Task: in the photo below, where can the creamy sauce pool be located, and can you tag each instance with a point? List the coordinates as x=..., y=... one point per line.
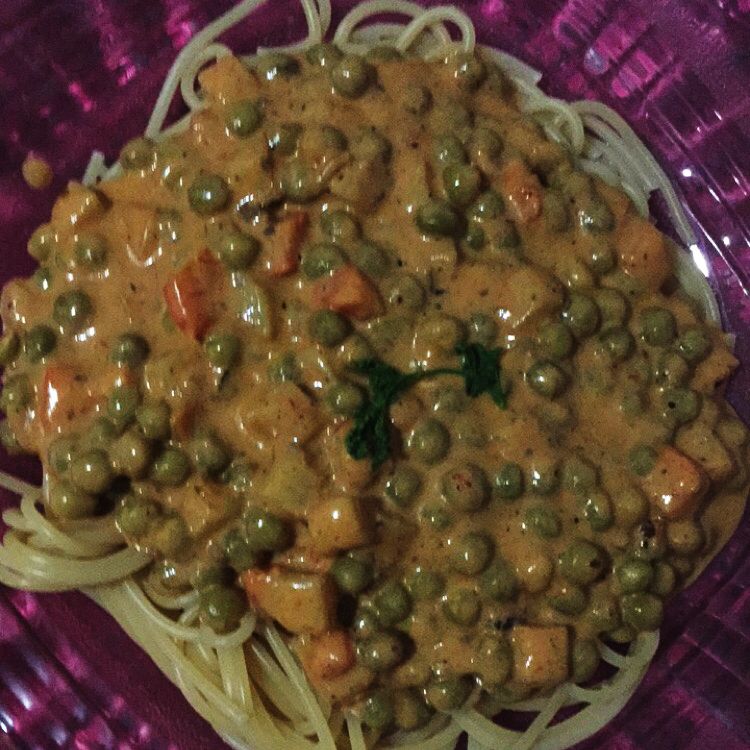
x=187, y=355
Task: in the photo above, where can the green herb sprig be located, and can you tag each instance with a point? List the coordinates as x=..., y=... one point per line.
x=370, y=436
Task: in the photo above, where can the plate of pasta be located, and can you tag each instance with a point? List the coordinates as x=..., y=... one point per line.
x=384, y=395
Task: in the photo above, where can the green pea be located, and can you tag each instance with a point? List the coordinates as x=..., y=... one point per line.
x=318, y=260
x=9, y=440
x=344, y=399
x=73, y=310
x=489, y=205
x=410, y=710
x=555, y=211
x=467, y=69
x=598, y=511
x=438, y=517
x=682, y=404
x=448, y=149
x=239, y=552
x=682, y=566
x=137, y=154
x=340, y=226
x=266, y=531
x=642, y=611
x=222, y=350
x=169, y=536
x=221, y=608
x=272, y=65
x=171, y=467
x=499, y=582
x=237, y=250
x=443, y=332
x=665, y=579
x=403, y=485
x=461, y=183
x=91, y=472
x=208, y=194
x=584, y=660
x=602, y=258
x=547, y=379
x=69, y=502
x=405, y=290
x=16, y=394
x=365, y=623
x=613, y=308
x=465, y=487
x=618, y=343
x=39, y=342
x=425, y=584
x=9, y=347
x=732, y=432
x=371, y=145
x=238, y=476
x=462, y=605
x=284, y=368
x=658, y=326
x=377, y=711
x=545, y=480
x=474, y=239
x=632, y=403
x=135, y=515
x=285, y=138
x=634, y=575
x=416, y=99
x=596, y=217
x=131, y=455
x=471, y=553
x=61, y=453
x=671, y=369
x=568, y=599
x=328, y=328
x=578, y=475
x=438, y=218
x=581, y=562
x=603, y=613
x=485, y=146
x=100, y=435
x=121, y=405
x=323, y=54
x=299, y=181
x=631, y=507
x=42, y=243
x=352, y=575
x=90, y=250
x=648, y=542
x=470, y=432
x=555, y=341
x=154, y=420
x=129, y=349
x=622, y=635
x=429, y=441
x=642, y=459
x=243, y=118
x=381, y=652
x=482, y=329
x=450, y=399
x=392, y=603
x=42, y=277
x=543, y=521
x=351, y=76
x=694, y=344
x=209, y=455
x=370, y=259
x=507, y=483
x=449, y=694
x=686, y=537
x=581, y=315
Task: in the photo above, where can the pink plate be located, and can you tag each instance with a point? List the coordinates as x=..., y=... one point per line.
x=82, y=74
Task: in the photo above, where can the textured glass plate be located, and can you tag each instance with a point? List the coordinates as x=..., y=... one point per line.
x=82, y=74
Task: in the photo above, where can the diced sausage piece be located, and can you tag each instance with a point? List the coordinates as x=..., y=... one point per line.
x=339, y=524
x=675, y=484
x=299, y=602
x=540, y=655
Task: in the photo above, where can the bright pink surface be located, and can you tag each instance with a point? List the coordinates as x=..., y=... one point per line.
x=82, y=74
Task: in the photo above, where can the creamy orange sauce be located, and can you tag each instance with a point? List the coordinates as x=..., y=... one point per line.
x=157, y=267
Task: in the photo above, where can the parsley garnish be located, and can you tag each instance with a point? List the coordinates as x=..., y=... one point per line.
x=370, y=437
